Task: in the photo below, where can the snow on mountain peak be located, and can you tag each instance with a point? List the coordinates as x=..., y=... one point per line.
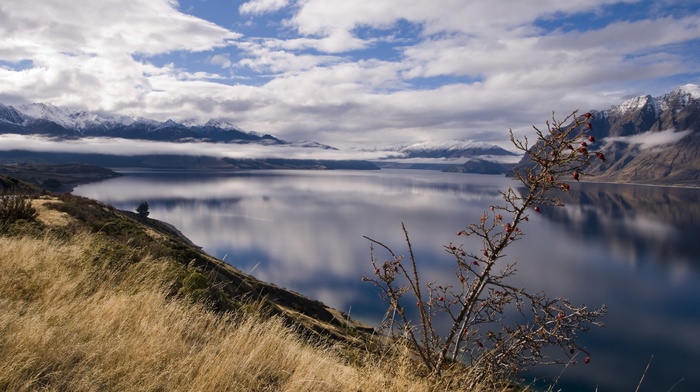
x=690, y=89
x=682, y=94
x=70, y=119
x=447, y=145
x=636, y=103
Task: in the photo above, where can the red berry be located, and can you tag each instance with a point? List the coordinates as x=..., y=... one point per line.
x=584, y=144
x=376, y=271
x=486, y=254
x=583, y=151
x=569, y=146
x=551, y=178
x=475, y=262
x=587, y=360
x=537, y=209
x=600, y=156
x=576, y=175
x=591, y=138
x=441, y=299
x=590, y=126
x=587, y=115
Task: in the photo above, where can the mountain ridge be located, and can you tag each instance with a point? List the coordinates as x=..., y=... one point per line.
x=647, y=140
x=48, y=120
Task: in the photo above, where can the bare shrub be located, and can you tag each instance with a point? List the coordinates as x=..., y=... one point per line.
x=15, y=205
x=475, y=306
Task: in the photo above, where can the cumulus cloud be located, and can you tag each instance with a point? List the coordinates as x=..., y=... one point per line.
x=86, y=54
x=257, y=7
x=222, y=60
x=345, y=73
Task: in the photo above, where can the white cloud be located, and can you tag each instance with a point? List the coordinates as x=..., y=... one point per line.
x=344, y=72
x=649, y=140
x=150, y=27
x=222, y=60
x=257, y=7
x=128, y=147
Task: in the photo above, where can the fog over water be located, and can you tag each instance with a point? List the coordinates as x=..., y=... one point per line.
x=632, y=248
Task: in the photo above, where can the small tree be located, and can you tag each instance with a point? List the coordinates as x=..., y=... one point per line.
x=475, y=305
x=142, y=209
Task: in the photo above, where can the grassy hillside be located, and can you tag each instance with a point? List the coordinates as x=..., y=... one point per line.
x=92, y=298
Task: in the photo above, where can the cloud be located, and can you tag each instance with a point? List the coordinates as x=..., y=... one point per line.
x=128, y=147
x=257, y=7
x=41, y=28
x=84, y=54
x=222, y=60
x=649, y=140
x=347, y=72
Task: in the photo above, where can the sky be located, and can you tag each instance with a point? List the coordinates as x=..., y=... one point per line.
x=351, y=74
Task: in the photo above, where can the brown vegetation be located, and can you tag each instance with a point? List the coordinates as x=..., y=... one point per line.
x=92, y=299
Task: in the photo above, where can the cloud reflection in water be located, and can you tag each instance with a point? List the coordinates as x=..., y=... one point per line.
x=633, y=248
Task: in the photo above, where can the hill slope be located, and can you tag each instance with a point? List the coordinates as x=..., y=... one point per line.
x=649, y=140
x=92, y=298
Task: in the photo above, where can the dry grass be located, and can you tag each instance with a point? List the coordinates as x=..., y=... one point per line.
x=69, y=320
x=82, y=310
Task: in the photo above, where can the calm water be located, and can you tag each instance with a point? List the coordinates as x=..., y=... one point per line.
x=634, y=248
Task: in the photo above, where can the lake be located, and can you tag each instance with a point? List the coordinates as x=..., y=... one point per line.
x=634, y=248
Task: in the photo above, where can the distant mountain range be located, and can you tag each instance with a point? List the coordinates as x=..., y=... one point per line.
x=65, y=124
x=49, y=120
x=463, y=156
x=452, y=150
x=648, y=140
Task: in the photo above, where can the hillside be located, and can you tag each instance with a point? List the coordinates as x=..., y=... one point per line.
x=92, y=298
x=57, y=178
x=648, y=140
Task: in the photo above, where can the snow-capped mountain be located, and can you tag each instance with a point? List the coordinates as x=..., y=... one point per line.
x=49, y=120
x=75, y=120
x=463, y=156
x=452, y=149
x=679, y=97
x=645, y=139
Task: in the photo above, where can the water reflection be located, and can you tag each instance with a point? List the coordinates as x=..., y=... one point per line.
x=633, y=248
x=639, y=223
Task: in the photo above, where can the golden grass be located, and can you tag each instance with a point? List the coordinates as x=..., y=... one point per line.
x=70, y=321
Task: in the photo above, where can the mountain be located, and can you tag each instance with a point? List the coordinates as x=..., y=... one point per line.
x=452, y=150
x=64, y=124
x=461, y=156
x=648, y=140
x=49, y=120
